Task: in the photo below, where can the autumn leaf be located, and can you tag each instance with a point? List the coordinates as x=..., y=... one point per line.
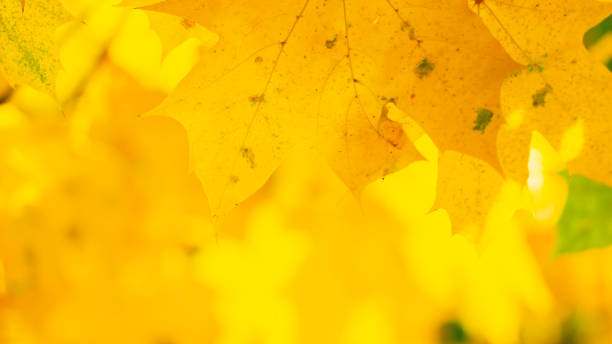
x=285, y=72
x=28, y=53
x=173, y=31
x=586, y=221
x=562, y=85
x=467, y=189
x=99, y=210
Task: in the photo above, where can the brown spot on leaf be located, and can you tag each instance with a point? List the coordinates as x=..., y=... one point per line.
x=539, y=98
x=330, y=43
x=73, y=233
x=424, y=68
x=188, y=23
x=256, y=99
x=249, y=156
x=390, y=130
x=407, y=27
x=483, y=118
x=191, y=250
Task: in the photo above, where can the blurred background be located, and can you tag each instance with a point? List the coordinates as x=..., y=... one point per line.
x=106, y=237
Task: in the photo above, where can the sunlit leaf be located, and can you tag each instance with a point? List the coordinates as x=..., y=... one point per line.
x=28, y=54
x=561, y=84
x=287, y=72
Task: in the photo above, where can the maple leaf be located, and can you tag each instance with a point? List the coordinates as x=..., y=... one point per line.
x=285, y=69
x=28, y=54
x=562, y=85
x=467, y=189
x=173, y=31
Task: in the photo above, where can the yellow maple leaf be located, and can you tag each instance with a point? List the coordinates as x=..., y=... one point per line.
x=562, y=86
x=467, y=189
x=286, y=71
x=173, y=31
x=553, y=102
x=28, y=54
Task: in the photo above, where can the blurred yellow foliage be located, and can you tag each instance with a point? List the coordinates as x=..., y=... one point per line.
x=106, y=234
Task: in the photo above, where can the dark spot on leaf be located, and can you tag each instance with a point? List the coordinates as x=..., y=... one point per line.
x=234, y=179
x=483, y=119
x=534, y=67
x=73, y=233
x=452, y=333
x=29, y=256
x=330, y=43
x=248, y=154
x=191, y=250
x=406, y=26
x=571, y=331
x=256, y=99
x=424, y=68
x=187, y=23
x=6, y=95
x=539, y=98
x=258, y=59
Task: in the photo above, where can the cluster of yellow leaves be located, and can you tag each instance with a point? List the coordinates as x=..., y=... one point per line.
x=285, y=73
x=281, y=74
x=105, y=236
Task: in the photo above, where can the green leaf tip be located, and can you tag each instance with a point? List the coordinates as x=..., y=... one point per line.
x=586, y=221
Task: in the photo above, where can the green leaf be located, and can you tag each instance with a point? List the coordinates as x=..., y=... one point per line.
x=586, y=221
